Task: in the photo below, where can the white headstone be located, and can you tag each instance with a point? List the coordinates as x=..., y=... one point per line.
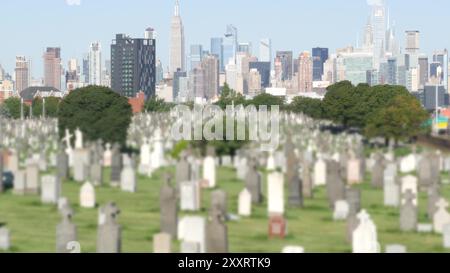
x=209, y=171
x=365, y=235
x=193, y=229
x=87, y=195
x=441, y=216
x=409, y=182
x=293, y=249
x=128, y=179
x=245, y=203
x=50, y=189
x=320, y=173
x=341, y=210
x=408, y=164
x=275, y=192
x=190, y=196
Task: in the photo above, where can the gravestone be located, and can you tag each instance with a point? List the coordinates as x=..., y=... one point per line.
x=190, y=196
x=441, y=216
x=81, y=161
x=216, y=234
x=245, y=203
x=20, y=182
x=128, y=181
x=62, y=164
x=209, y=171
x=446, y=236
x=391, y=187
x=408, y=164
x=32, y=185
x=307, y=181
x=341, y=210
x=107, y=156
x=396, y=249
x=226, y=161
x=183, y=169
x=433, y=197
x=253, y=183
x=409, y=182
x=354, y=175
x=219, y=203
x=66, y=231
x=87, y=195
x=293, y=249
x=408, y=213
x=168, y=208
x=320, y=172
x=270, y=163
x=193, y=229
x=353, y=197
x=62, y=202
x=295, y=187
x=424, y=228
x=365, y=235
x=145, y=154
x=116, y=165
x=428, y=170
x=109, y=238
x=275, y=192
x=277, y=227
x=5, y=239
x=162, y=243
x=242, y=168
x=50, y=189
x=190, y=247
x=378, y=172
x=335, y=185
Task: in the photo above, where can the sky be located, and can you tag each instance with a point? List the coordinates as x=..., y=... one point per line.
x=29, y=26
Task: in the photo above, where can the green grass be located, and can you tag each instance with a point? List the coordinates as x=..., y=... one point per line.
x=33, y=226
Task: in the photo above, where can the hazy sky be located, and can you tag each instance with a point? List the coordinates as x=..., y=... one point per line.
x=28, y=26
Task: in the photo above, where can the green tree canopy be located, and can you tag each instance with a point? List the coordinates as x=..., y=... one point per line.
x=13, y=107
x=51, y=107
x=403, y=118
x=308, y=106
x=155, y=104
x=268, y=100
x=99, y=112
x=229, y=96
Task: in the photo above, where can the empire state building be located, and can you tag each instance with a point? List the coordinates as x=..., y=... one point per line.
x=177, y=57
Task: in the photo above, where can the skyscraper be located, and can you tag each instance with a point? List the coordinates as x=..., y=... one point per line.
x=391, y=75
x=286, y=64
x=22, y=73
x=95, y=64
x=442, y=58
x=265, y=50
x=52, y=67
x=379, y=31
x=320, y=56
x=195, y=56
x=177, y=53
x=210, y=68
x=133, y=66
x=176, y=82
x=86, y=68
x=412, y=42
x=263, y=69
x=217, y=50
x=159, y=72
x=423, y=71
x=305, y=72
x=230, y=44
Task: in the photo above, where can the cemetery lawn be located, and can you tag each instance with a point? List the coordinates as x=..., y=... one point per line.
x=33, y=225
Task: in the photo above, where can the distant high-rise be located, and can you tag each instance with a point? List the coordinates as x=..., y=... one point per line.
x=95, y=64
x=263, y=69
x=52, y=67
x=22, y=74
x=176, y=82
x=133, y=66
x=305, y=72
x=86, y=68
x=391, y=71
x=423, y=71
x=230, y=45
x=379, y=30
x=320, y=56
x=217, y=50
x=254, y=82
x=442, y=58
x=195, y=56
x=210, y=68
x=245, y=48
x=265, y=50
x=286, y=64
x=159, y=72
x=412, y=42
x=177, y=50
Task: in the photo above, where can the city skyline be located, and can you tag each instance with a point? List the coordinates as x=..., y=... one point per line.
x=75, y=41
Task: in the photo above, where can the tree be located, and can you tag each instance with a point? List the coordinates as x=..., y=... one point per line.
x=268, y=100
x=13, y=106
x=402, y=119
x=155, y=104
x=308, y=106
x=229, y=97
x=51, y=107
x=98, y=112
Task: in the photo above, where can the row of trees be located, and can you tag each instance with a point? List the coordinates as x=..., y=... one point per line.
x=11, y=108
